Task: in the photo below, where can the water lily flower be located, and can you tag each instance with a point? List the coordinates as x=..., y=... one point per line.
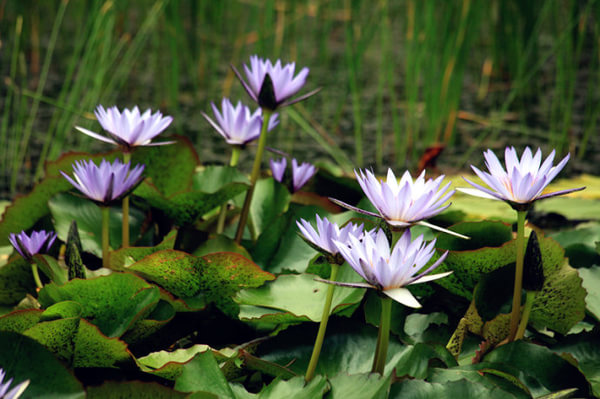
x=405, y=203
x=301, y=174
x=237, y=124
x=391, y=270
x=14, y=393
x=272, y=85
x=278, y=169
x=326, y=233
x=523, y=180
x=105, y=183
x=28, y=246
x=129, y=128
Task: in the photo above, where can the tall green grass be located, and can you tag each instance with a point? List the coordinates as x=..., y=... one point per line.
x=397, y=76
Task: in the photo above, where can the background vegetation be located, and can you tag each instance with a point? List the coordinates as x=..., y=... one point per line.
x=397, y=76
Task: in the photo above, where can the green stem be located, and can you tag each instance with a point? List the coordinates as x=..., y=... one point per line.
x=36, y=275
x=516, y=305
x=105, y=236
x=314, y=359
x=383, y=337
x=125, y=223
x=526, y=312
x=235, y=155
x=262, y=141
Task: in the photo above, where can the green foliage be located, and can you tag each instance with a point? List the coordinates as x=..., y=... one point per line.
x=79, y=343
x=16, y=281
x=203, y=374
x=66, y=208
x=591, y=283
x=365, y=385
x=133, y=390
x=22, y=358
x=292, y=299
x=113, y=303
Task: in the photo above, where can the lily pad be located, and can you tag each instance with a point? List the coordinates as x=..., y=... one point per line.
x=79, y=343
x=125, y=257
x=365, y=385
x=203, y=374
x=591, y=282
x=23, y=358
x=296, y=298
x=65, y=208
x=16, y=281
x=133, y=390
x=113, y=303
x=171, y=167
x=20, y=320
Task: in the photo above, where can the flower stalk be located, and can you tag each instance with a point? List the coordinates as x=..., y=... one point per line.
x=235, y=156
x=105, y=235
x=262, y=140
x=36, y=275
x=125, y=222
x=529, y=299
x=383, y=338
x=516, y=305
x=314, y=358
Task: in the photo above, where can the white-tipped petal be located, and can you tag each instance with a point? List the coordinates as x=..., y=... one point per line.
x=403, y=296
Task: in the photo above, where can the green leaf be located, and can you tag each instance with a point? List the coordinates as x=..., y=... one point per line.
x=221, y=243
x=171, y=167
x=349, y=348
x=203, y=374
x=496, y=379
x=16, y=280
x=62, y=310
x=162, y=314
x=186, y=207
x=585, y=349
x=133, y=390
x=580, y=244
x=113, y=303
x=295, y=388
x=79, y=343
x=176, y=271
x=270, y=200
x=591, y=283
x=296, y=298
x=51, y=268
x=540, y=369
x=65, y=208
x=224, y=274
x=417, y=389
x=169, y=365
x=20, y=320
x=414, y=360
x=28, y=209
x=571, y=208
x=481, y=235
x=211, y=179
x=125, y=257
x=344, y=386
x=22, y=358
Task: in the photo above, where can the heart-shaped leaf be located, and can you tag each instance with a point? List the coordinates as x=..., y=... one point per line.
x=16, y=281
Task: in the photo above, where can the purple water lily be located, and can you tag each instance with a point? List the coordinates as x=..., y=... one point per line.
x=391, y=270
x=301, y=174
x=327, y=232
x=105, y=183
x=129, y=128
x=523, y=180
x=237, y=124
x=28, y=246
x=405, y=203
x=14, y=393
x=278, y=169
x=272, y=85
